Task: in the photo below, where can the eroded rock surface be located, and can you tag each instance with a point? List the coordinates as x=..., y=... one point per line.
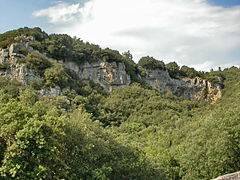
x=14, y=70
x=195, y=88
x=110, y=75
x=232, y=176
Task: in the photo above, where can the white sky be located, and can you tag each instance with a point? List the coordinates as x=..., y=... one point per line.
x=190, y=32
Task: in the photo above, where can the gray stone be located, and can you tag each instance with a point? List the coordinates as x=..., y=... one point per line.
x=109, y=75
x=4, y=56
x=51, y=92
x=16, y=71
x=187, y=88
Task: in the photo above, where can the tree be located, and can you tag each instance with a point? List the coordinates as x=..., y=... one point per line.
x=128, y=55
x=186, y=71
x=28, y=97
x=30, y=140
x=151, y=63
x=173, y=69
x=56, y=75
x=60, y=46
x=36, y=62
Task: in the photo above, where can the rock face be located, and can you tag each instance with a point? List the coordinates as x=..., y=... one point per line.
x=232, y=176
x=56, y=91
x=187, y=88
x=109, y=75
x=113, y=75
x=14, y=70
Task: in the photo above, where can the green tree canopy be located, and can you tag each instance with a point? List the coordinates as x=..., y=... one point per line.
x=173, y=69
x=151, y=63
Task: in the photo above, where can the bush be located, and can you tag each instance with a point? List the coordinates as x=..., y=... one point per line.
x=186, y=71
x=37, y=84
x=7, y=38
x=4, y=66
x=36, y=62
x=151, y=63
x=173, y=69
x=57, y=75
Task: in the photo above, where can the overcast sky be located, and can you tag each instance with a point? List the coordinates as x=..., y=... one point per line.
x=203, y=34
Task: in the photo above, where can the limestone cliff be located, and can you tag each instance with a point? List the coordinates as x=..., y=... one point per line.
x=110, y=75
x=14, y=70
x=232, y=176
x=18, y=71
x=195, y=88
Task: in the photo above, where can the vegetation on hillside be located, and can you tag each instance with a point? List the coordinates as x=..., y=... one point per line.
x=151, y=63
x=6, y=39
x=132, y=133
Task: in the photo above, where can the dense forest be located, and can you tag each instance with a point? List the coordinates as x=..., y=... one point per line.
x=135, y=132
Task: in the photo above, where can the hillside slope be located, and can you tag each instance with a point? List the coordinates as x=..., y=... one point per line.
x=29, y=55
x=56, y=125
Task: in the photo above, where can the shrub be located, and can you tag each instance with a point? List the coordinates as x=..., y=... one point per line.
x=173, y=69
x=4, y=66
x=37, y=62
x=186, y=71
x=56, y=75
x=151, y=63
x=7, y=38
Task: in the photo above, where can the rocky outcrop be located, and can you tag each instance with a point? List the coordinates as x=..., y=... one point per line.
x=14, y=70
x=56, y=91
x=187, y=88
x=109, y=75
x=232, y=176
x=113, y=75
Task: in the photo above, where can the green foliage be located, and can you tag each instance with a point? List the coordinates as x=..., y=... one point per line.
x=184, y=139
x=59, y=46
x=28, y=97
x=23, y=50
x=11, y=88
x=173, y=69
x=39, y=142
x=135, y=100
x=4, y=66
x=132, y=68
x=157, y=149
x=131, y=133
x=56, y=75
x=30, y=139
x=151, y=63
x=14, y=36
x=63, y=47
x=37, y=84
x=110, y=55
x=100, y=156
x=36, y=62
x=215, y=77
x=186, y=71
